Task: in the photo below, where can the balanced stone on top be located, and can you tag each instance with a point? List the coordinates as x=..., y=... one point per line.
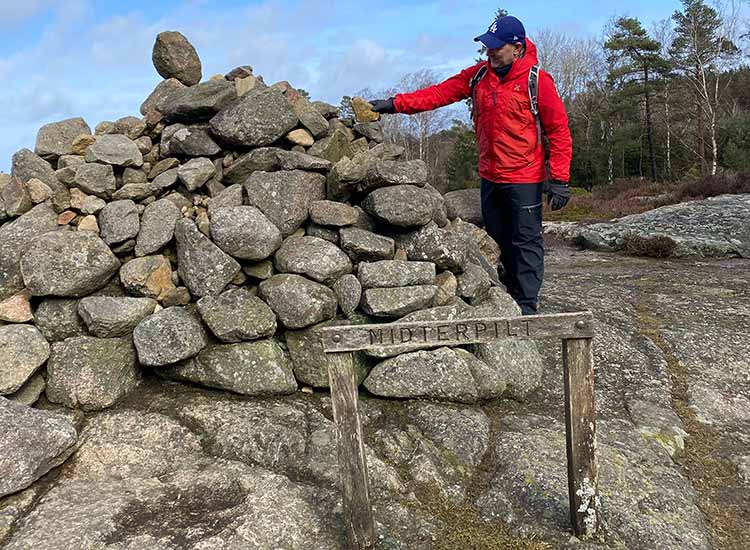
x=175, y=57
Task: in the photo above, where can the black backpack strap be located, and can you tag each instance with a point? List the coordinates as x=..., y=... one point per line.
x=534, y=99
x=472, y=85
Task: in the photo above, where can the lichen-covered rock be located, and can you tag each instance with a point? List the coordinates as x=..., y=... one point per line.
x=33, y=443
x=194, y=140
x=366, y=246
x=333, y=213
x=348, y=291
x=237, y=315
x=58, y=319
x=30, y=392
x=394, y=273
x=258, y=368
x=95, y=179
x=110, y=317
x=195, y=172
x=27, y=165
x=400, y=205
x=315, y=258
x=398, y=301
x=203, y=266
x=157, y=227
x=91, y=373
x=308, y=115
x=15, y=199
x=298, y=302
x=198, y=102
x=67, y=263
x=119, y=221
x=15, y=238
x=24, y=350
x=256, y=120
x=445, y=373
x=448, y=250
x=473, y=282
x=244, y=232
x=56, y=138
x=115, y=149
x=285, y=197
x=386, y=173
x=174, y=56
x=310, y=362
x=163, y=89
x=716, y=227
x=169, y=336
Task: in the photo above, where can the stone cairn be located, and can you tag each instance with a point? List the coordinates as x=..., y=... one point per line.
x=209, y=239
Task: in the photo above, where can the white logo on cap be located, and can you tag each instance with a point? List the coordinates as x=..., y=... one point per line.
x=493, y=27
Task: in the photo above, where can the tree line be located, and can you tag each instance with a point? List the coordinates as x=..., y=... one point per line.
x=664, y=103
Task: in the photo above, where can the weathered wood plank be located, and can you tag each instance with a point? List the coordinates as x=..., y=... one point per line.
x=457, y=332
x=357, y=509
x=580, y=420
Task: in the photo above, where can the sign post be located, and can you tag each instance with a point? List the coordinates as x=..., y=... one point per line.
x=574, y=329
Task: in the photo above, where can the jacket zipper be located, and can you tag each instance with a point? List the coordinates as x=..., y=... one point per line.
x=494, y=99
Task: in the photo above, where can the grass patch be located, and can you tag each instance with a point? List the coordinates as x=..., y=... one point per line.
x=658, y=246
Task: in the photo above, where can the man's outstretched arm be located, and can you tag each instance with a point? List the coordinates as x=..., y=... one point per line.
x=449, y=91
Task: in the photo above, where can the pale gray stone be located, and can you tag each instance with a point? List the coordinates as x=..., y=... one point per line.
x=244, y=232
x=56, y=138
x=400, y=205
x=157, y=227
x=298, y=302
x=110, y=317
x=315, y=258
x=114, y=149
x=398, y=301
x=363, y=245
x=175, y=57
x=24, y=351
x=119, y=222
x=395, y=273
x=237, y=315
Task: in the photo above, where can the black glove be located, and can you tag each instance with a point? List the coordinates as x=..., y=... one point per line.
x=558, y=194
x=383, y=106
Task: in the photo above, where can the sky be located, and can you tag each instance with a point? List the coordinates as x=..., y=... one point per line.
x=62, y=59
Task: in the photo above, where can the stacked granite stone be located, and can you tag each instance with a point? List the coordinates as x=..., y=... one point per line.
x=210, y=238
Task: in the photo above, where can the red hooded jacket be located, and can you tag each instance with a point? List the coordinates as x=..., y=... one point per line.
x=509, y=148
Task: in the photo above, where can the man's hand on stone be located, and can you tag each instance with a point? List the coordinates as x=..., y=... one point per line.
x=383, y=106
x=558, y=194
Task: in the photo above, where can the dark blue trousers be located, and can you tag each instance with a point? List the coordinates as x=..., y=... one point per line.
x=513, y=217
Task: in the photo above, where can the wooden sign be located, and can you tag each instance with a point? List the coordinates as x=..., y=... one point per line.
x=456, y=332
x=575, y=330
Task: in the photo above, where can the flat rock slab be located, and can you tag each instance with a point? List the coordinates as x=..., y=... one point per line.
x=364, y=245
x=717, y=227
x=110, y=317
x=237, y=315
x=397, y=301
x=394, y=273
x=400, y=205
x=33, y=443
x=244, y=232
x=318, y=259
x=56, y=139
x=169, y=336
x=250, y=368
x=156, y=227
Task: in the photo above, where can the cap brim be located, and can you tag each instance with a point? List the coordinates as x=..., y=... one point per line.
x=490, y=41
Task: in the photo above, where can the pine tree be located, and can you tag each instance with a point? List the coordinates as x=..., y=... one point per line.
x=634, y=58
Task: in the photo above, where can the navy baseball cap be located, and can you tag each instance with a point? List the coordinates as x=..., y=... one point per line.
x=504, y=30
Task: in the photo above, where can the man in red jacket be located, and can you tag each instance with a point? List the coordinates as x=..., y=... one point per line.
x=512, y=161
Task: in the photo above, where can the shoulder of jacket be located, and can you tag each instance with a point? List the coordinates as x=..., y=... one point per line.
x=474, y=69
